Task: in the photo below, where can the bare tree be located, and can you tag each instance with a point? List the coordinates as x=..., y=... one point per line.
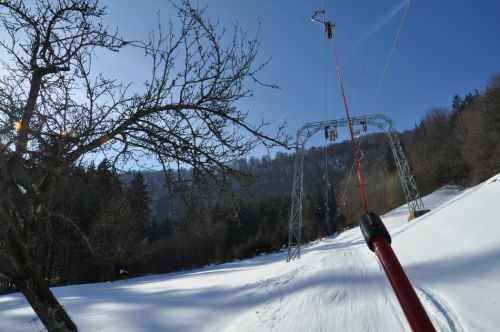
x=54, y=111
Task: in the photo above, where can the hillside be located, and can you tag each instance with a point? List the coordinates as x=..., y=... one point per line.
x=273, y=177
x=451, y=255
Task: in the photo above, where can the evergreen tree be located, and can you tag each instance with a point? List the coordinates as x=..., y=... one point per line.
x=138, y=198
x=107, y=180
x=116, y=237
x=457, y=103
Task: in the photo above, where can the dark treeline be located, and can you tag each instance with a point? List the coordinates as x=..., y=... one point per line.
x=131, y=221
x=459, y=145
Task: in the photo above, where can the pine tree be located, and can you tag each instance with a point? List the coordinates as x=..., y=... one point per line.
x=138, y=198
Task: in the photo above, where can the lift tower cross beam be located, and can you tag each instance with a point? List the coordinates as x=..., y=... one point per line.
x=412, y=196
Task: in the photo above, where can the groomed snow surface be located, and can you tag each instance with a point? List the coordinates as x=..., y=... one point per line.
x=452, y=256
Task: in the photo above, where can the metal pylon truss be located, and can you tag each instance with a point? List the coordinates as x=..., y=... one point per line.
x=380, y=121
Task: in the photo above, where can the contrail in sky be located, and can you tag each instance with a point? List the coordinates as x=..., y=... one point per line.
x=378, y=25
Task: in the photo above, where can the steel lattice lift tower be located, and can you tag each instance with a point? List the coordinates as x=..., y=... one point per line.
x=412, y=196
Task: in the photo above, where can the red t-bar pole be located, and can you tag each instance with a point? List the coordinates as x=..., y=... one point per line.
x=378, y=239
x=408, y=299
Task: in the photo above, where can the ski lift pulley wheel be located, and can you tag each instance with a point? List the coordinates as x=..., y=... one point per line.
x=333, y=135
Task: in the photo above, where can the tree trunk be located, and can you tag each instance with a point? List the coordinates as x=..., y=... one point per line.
x=30, y=282
x=51, y=313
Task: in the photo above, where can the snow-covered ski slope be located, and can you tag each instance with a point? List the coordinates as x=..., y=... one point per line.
x=452, y=256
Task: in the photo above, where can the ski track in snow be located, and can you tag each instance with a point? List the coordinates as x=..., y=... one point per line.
x=327, y=302
x=442, y=315
x=337, y=285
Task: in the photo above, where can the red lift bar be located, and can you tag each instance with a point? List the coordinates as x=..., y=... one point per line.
x=376, y=235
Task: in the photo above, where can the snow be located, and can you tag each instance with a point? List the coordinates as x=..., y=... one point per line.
x=22, y=189
x=451, y=254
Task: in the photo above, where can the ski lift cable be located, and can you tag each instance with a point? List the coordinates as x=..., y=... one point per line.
x=351, y=130
x=349, y=179
x=388, y=59
x=325, y=110
x=373, y=229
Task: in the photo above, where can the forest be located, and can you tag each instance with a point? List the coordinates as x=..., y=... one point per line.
x=133, y=220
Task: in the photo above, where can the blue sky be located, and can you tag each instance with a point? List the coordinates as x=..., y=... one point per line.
x=445, y=48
